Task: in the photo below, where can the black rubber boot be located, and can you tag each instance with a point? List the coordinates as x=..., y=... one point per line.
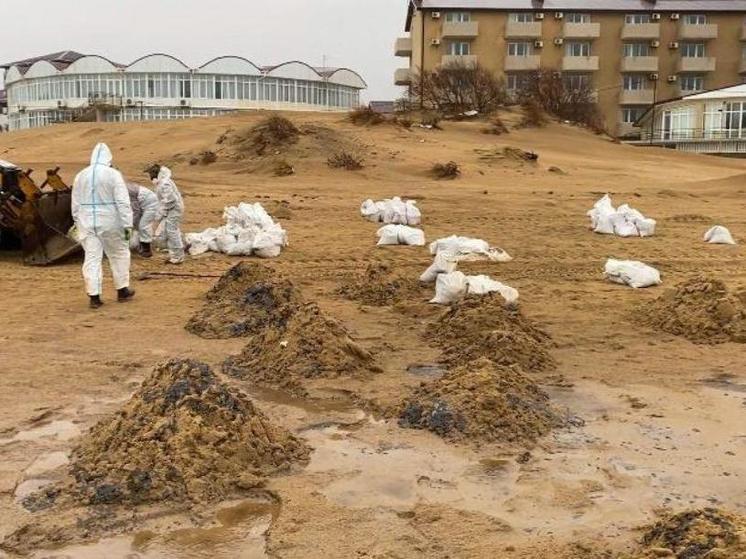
x=145, y=251
x=125, y=294
x=95, y=301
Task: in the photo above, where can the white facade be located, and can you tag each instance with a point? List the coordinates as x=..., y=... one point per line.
x=159, y=86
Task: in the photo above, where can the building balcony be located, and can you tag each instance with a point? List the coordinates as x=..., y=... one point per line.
x=692, y=64
x=640, y=64
x=460, y=29
x=519, y=30
x=637, y=97
x=580, y=63
x=690, y=32
x=455, y=60
x=403, y=46
x=519, y=63
x=581, y=30
x=641, y=31
x=402, y=76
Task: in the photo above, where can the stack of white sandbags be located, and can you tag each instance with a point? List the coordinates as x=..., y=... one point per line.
x=623, y=221
x=400, y=235
x=248, y=230
x=467, y=248
x=392, y=211
x=632, y=273
x=719, y=235
x=454, y=286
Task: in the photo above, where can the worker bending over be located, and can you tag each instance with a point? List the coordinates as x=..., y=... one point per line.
x=144, y=208
x=170, y=210
x=103, y=218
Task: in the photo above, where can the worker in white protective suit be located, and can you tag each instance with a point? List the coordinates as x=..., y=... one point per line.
x=170, y=210
x=144, y=209
x=103, y=219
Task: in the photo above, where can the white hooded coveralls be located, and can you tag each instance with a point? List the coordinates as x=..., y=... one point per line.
x=144, y=208
x=101, y=211
x=171, y=211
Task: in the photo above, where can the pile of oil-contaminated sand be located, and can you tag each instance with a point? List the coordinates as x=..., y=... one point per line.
x=184, y=435
x=247, y=299
x=378, y=286
x=482, y=326
x=311, y=345
x=696, y=534
x=701, y=310
x=483, y=402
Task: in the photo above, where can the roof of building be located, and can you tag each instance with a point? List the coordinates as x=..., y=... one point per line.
x=586, y=5
x=728, y=92
x=59, y=60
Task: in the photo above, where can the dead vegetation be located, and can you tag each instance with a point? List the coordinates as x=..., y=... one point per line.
x=273, y=132
x=534, y=116
x=206, y=157
x=283, y=169
x=346, y=160
x=446, y=171
x=365, y=116
x=496, y=127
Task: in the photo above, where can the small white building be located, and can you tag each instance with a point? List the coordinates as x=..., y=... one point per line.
x=708, y=122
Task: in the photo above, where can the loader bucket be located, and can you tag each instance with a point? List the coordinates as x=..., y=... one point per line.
x=46, y=239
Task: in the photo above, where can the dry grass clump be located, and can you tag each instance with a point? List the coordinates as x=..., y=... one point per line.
x=365, y=116
x=273, y=132
x=449, y=170
x=204, y=158
x=497, y=127
x=283, y=169
x=345, y=160
x=431, y=120
x=534, y=115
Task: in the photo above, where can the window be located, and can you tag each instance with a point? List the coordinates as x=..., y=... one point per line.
x=636, y=49
x=636, y=19
x=692, y=83
x=693, y=50
x=695, y=19
x=458, y=48
x=634, y=82
x=576, y=82
x=515, y=82
x=578, y=18
x=578, y=48
x=678, y=123
x=458, y=17
x=630, y=115
x=522, y=17
x=524, y=48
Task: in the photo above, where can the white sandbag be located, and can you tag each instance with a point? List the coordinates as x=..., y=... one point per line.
x=443, y=263
x=400, y=235
x=624, y=221
x=603, y=224
x=630, y=213
x=719, y=235
x=449, y=288
x=498, y=255
x=482, y=285
x=270, y=242
x=622, y=227
x=398, y=211
x=370, y=211
x=239, y=249
x=197, y=248
x=414, y=215
x=603, y=207
x=645, y=226
x=632, y=273
x=225, y=241
x=467, y=249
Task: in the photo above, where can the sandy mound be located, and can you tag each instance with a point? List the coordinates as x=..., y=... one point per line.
x=184, y=435
x=482, y=326
x=311, y=346
x=247, y=299
x=701, y=310
x=697, y=534
x=379, y=286
x=481, y=401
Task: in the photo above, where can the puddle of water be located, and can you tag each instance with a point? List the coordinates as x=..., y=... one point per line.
x=428, y=370
x=309, y=405
x=61, y=430
x=47, y=463
x=239, y=533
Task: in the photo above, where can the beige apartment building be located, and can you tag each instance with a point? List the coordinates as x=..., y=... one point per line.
x=633, y=53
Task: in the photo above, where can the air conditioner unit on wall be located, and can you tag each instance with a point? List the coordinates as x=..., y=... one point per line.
x=673, y=45
x=655, y=43
x=653, y=77
x=675, y=16
x=539, y=44
x=435, y=15
x=672, y=79
x=540, y=15
x=655, y=17
x=558, y=15
x=559, y=41
x=435, y=42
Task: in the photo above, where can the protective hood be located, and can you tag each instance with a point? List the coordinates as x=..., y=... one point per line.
x=164, y=174
x=101, y=155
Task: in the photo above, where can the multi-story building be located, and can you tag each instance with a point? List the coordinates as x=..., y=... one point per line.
x=67, y=85
x=633, y=53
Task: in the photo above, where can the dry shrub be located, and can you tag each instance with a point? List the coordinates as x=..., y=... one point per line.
x=283, y=169
x=365, y=116
x=275, y=131
x=432, y=120
x=204, y=158
x=403, y=121
x=534, y=115
x=345, y=160
x=497, y=127
x=449, y=170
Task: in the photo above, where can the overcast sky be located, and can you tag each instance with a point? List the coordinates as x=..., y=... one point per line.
x=358, y=34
